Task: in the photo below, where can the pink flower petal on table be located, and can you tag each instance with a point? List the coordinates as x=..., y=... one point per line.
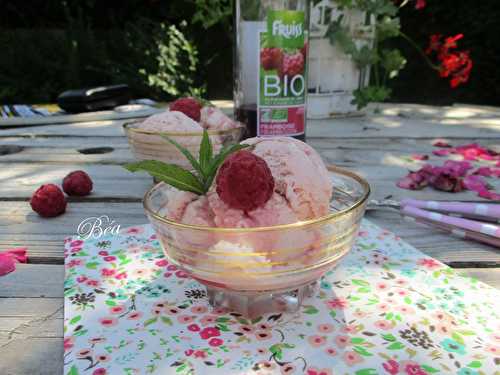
x=7, y=264
x=19, y=253
x=447, y=182
x=413, y=181
x=483, y=171
x=419, y=157
x=475, y=183
x=473, y=151
x=457, y=168
x=486, y=157
x=489, y=195
x=442, y=152
x=441, y=144
x=9, y=258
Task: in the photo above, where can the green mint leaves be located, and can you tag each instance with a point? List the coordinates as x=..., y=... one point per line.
x=205, y=167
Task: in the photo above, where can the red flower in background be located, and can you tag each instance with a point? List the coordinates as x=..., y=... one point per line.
x=420, y=4
x=455, y=65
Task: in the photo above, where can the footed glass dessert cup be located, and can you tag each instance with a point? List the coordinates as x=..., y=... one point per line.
x=263, y=269
x=150, y=145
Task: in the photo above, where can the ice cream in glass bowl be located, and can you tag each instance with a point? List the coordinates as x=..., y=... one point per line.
x=184, y=122
x=264, y=228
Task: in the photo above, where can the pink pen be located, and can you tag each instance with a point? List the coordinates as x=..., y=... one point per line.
x=463, y=234
x=469, y=225
x=490, y=210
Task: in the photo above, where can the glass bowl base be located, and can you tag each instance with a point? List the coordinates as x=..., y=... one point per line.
x=254, y=305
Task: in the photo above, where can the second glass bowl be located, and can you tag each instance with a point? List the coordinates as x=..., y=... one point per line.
x=149, y=145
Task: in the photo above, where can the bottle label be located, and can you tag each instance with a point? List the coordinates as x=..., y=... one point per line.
x=282, y=82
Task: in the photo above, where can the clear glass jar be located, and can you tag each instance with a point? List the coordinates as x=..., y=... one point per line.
x=270, y=66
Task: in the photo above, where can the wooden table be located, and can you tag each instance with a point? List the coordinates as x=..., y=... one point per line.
x=376, y=146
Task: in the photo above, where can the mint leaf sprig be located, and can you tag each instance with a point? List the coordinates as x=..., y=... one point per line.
x=205, y=167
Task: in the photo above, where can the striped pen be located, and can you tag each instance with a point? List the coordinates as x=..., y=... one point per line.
x=468, y=220
x=463, y=234
x=482, y=211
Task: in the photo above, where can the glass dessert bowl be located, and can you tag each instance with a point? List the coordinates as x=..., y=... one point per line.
x=149, y=144
x=263, y=269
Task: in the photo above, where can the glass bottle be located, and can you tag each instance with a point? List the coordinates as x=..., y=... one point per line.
x=270, y=66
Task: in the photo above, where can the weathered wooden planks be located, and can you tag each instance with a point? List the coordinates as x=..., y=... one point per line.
x=20, y=180
x=43, y=237
x=112, y=182
x=32, y=281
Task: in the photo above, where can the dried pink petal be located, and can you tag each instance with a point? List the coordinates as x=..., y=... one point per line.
x=440, y=143
x=441, y=152
x=486, y=157
x=483, y=171
x=489, y=195
x=474, y=151
x=447, y=182
x=456, y=168
x=475, y=183
x=7, y=264
x=413, y=181
x=419, y=157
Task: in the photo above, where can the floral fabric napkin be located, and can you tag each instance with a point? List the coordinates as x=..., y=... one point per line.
x=386, y=309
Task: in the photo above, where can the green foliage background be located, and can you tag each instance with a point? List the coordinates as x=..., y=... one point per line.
x=162, y=49
x=165, y=48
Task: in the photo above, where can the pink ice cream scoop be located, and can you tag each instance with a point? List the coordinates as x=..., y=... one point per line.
x=212, y=118
x=299, y=173
x=170, y=121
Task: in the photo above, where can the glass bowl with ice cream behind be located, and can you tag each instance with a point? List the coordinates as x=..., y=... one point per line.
x=267, y=226
x=183, y=123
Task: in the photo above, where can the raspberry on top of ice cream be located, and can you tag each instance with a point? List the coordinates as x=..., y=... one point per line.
x=244, y=181
x=299, y=173
x=191, y=107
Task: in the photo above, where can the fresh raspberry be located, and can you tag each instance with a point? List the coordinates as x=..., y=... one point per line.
x=48, y=201
x=293, y=64
x=189, y=106
x=245, y=181
x=271, y=58
x=77, y=183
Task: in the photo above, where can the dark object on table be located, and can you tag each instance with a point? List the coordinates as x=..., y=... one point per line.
x=94, y=99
